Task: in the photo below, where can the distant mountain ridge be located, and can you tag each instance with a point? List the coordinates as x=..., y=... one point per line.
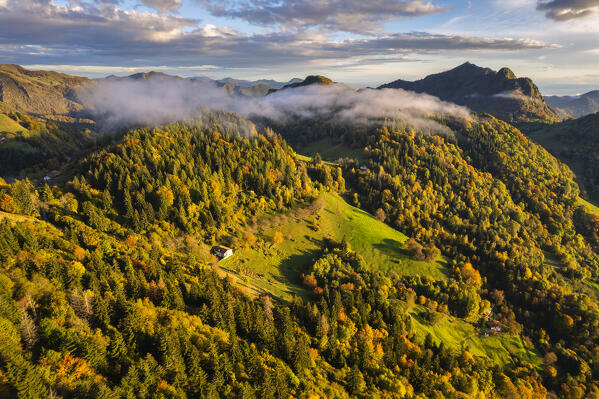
x=577, y=106
x=54, y=95
x=310, y=80
x=249, y=83
x=500, y=93
x=246, y=88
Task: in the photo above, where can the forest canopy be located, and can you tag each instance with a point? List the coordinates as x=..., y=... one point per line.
x=108, y=287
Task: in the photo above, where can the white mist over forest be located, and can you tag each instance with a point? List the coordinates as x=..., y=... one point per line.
x=118, y=103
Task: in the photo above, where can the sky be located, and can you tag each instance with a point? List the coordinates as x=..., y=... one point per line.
x=358, y=42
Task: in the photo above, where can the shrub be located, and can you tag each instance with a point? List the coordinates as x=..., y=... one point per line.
x=277, y=238
x=7, y=203
x=415, y=249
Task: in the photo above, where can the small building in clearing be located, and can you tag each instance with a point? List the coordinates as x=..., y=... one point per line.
x=222, y=252
x=495, y=326
x=52, y=175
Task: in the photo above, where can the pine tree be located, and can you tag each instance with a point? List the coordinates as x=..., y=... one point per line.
x=301, y=354
x=268, y=389
x=107, y=199
x=355, y=381
x=197, y=377
x=281, y=384
x=47, y=194
x=22, y=193
x=117, y=349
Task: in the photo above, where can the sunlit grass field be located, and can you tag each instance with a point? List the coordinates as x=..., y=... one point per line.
x=276, y=268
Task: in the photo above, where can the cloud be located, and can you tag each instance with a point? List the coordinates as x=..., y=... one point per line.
x=422, y=41
x=163, y=5
x=84, y=25
x=515, y=95
x=356, y=16
x=565, y=10
x=117, y=103
x=101, y=33
x=102, y=70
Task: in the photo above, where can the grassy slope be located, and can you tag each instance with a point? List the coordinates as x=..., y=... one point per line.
x=276, y=268
x=330, y=150
x=7, y=125
x=39, y=92
x=16, y=218
x=456, y=333
x=589, y=207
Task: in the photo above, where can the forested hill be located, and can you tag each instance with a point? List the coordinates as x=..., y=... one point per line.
x=42, y=93
x=499, y=93
x=576, y=143
x=505, y=205
x=31, y=146
x=108, y=287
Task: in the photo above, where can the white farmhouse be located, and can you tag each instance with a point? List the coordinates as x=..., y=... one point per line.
x=222, y=252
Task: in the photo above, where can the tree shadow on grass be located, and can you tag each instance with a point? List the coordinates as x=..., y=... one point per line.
x=391, y=247
x=395, y=249
x=419, y=317
x=293, y=266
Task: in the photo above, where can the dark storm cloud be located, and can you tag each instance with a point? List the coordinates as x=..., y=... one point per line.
x=357, y=16
x=564, y=10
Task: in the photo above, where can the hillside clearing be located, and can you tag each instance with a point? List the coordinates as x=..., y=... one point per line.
x=456, y=334
x=8, y=125
x=331, y=150
x=276, y=268
x=588, y=206
x=16, y=218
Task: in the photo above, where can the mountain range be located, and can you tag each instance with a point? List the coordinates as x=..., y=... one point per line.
x=53, y=95
x=231, y=81
x=577, y=106
x=249, y=83
x=481, y=89
x=257, y=88
x=499, y=93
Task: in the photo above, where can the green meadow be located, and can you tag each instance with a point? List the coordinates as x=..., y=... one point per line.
x=276, y=268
